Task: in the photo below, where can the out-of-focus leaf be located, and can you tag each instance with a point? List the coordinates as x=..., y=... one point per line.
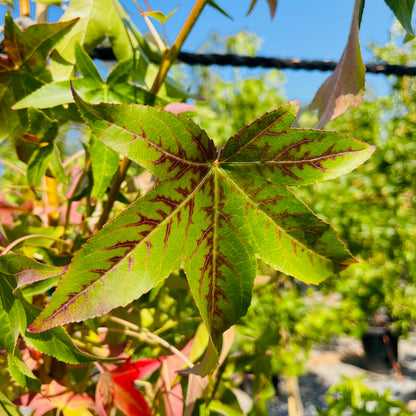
x=45, y=130
x=345, y=87
x=7, y=408
x=214, y=4
x=51, y=2
x=20, y=372
x=104, y=165
x=272, y=6
x=178, y=108
x=126, y=397
x=7, y=3
x=57, y=396
x=98, y=19
x=23, y=70
x=160, y=16
x=403, y=10
x=210, y=214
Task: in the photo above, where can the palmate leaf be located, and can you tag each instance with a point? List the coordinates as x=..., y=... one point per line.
x=210, y=213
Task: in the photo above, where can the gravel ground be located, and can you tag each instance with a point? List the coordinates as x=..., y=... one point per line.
x=345, y=358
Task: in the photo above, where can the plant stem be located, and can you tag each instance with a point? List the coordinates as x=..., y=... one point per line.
x=115, y=188
x=24, y=7
x=27, y=237
x=169, y=57
x=52, y=200
x=167, y=60
x=152, y=336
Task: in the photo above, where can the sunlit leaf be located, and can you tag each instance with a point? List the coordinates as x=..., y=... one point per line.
x=210, y=213
x=345, y=87
x=23, y=69
x=7, y=3
x=98, y=20
x=403, y=10
x=116, y=88
x=104, y=165
x=160, y=16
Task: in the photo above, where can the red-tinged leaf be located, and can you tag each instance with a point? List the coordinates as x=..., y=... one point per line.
x=197, y=388
x=178, y=108
x=208, y=213
x=345, y=87
x=126, y=397
x=8, y=212
x=272, y=7
x=133, y=370
x=172, y=393
x=56, y=396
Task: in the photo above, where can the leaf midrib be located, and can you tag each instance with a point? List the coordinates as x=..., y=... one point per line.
x=93, y=283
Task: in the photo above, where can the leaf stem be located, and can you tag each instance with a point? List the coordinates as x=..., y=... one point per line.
x=153, y=337
x=115, y=188
x=172, y=53
x=12, y=166
x=27, y=237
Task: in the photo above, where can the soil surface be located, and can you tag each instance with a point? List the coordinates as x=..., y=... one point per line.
x=328, y=364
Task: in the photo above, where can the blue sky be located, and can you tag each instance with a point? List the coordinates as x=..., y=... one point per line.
x=305, y=29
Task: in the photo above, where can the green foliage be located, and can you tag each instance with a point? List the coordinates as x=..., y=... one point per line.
x=354, y=397
x=195, y=219
x=213, y=238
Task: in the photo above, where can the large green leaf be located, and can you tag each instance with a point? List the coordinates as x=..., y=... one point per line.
x=23, y=70
x=403, y=10
x=210, y=214
x=116, y=88
x=345, y=86
x=98, y=20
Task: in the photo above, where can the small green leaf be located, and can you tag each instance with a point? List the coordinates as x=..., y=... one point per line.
x=160, y=16
x=210, y=214
x=8, y=3
x=86, y=66
x=104, y=165
x=98, y=19
x=45, y=130
x=403, y=10
x=21, y=373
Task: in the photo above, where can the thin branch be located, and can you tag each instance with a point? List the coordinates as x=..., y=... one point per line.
x=169, y=57
x=153, y=337
x=27, y=237
x=10, y=165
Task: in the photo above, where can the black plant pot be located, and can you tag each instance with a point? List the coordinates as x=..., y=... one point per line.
x=380, y=347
